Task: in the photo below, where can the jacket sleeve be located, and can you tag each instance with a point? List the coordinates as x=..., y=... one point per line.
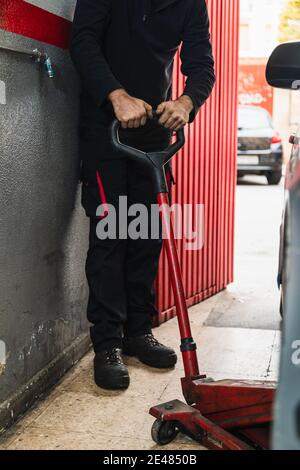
x=90, y=19
x=196, y=56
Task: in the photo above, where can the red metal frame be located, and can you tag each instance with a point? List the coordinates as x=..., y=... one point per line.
x=189, y=357
x=225, y=415
x=205, y=172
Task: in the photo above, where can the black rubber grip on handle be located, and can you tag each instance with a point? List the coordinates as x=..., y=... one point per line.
x=166, y=154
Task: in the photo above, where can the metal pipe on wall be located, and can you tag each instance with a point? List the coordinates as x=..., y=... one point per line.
x=38, y=56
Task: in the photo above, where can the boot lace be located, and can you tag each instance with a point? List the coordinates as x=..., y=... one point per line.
x=113, y=356
x=151, y=340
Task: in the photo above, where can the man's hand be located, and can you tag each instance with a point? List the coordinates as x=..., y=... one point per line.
x=131, y=112
x=175, y=114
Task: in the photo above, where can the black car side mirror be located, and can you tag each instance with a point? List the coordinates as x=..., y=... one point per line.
x=283, y=69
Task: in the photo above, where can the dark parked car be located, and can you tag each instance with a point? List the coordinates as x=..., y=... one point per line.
x=283, y=71
x=260, y=150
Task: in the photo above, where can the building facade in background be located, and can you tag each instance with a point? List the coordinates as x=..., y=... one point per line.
x=259, y=24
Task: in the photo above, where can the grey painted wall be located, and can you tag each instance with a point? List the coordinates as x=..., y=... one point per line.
x=43, y=230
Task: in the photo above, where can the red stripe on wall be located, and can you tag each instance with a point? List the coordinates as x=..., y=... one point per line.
x=17, y=16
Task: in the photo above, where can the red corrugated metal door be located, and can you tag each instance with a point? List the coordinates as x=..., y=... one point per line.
x=205, y=171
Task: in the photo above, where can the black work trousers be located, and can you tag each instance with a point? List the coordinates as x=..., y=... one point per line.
x=120, y=272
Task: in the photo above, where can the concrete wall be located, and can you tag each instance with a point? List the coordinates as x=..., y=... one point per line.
x=43, y=231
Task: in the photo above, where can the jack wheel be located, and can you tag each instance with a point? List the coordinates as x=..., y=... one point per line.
x=163, y=432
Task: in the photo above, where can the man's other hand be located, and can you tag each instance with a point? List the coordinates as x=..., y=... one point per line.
x=131, y=112
x=175, y=114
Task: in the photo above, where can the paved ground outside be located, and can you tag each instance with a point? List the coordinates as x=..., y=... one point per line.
x=237, y=334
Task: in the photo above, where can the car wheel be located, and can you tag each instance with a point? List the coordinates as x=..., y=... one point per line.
x=274, y=177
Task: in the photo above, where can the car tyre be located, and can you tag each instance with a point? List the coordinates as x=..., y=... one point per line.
x=274, y=177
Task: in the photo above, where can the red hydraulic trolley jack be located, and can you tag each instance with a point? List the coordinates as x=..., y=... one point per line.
x=221, y=415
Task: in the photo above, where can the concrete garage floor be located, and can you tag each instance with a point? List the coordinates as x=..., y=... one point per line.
x=237, y=334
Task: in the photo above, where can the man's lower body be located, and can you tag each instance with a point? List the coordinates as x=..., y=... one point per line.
x=121, y=270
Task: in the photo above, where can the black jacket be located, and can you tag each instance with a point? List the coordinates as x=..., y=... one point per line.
x=131, y=44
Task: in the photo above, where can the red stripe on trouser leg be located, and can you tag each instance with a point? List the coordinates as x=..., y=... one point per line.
x=102, y=196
